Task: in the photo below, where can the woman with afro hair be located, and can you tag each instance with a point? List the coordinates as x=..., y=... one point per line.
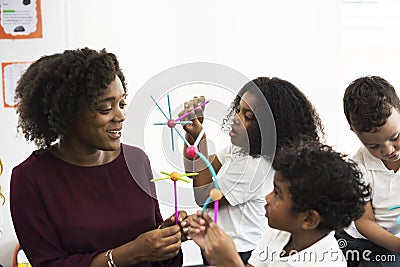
x=74, y=201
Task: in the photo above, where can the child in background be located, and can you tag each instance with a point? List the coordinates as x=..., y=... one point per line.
x=243, y=168
x=316, y=191
x=372, y=109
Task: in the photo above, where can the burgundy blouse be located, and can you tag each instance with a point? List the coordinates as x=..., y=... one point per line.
x=64, y=214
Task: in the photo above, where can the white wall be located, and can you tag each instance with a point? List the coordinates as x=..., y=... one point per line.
x=305, y=42
x=369, y=46
x=13, y=148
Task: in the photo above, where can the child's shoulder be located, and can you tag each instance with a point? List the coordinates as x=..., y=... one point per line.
x=362, y=155
x=275, y=235
x=367, y=161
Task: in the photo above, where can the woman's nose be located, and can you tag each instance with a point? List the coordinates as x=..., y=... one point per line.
x=120, y=115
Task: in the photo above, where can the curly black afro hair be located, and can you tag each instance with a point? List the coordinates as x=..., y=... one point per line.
x=293, y=113
x=52, y=89
x=368, y=102
x=323, y=180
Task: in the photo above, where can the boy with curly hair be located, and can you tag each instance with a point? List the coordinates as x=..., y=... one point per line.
x=316, y=191
x=372, y=109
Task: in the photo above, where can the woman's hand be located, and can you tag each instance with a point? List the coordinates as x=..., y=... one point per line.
x=182, y=222
x=157, y=245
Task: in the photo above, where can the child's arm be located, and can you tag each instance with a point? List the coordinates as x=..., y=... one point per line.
x=219, y=247
x=367, y=226
x=192, y=133
x=195, y=164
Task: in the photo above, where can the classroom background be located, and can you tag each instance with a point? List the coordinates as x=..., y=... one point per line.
x=320, y=46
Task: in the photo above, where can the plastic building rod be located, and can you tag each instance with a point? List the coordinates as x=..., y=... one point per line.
x=192, y=151
x=170, y=122
x=174, y=176
x=396, y=207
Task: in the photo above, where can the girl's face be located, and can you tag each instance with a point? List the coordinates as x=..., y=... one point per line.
x=101, y=128
x=244, y=120
x=278, y=208
x=384, y=144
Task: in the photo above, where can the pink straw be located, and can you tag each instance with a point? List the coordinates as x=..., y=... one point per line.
x=196, y=108
x=176, y=204
x=216, y=204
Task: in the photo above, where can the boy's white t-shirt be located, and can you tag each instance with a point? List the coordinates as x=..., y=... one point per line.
x=244, y=182
x=325, y=252
x=385, y=185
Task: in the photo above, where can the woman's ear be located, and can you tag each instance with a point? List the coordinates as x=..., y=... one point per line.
x=311, y=219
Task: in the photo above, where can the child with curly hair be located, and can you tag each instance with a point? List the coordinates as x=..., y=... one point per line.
x=372, y=109
x=267, y=113
x=316, y=191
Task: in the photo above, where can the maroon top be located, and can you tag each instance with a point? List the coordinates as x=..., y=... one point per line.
x=64, y=214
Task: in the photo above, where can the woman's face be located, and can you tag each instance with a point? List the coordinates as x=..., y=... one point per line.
x=244, y=120
x=101, y=129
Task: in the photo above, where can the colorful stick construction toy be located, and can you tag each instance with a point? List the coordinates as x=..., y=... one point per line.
x=396, y=207
x=191, y=151
x=174, y=176
x=170, y=122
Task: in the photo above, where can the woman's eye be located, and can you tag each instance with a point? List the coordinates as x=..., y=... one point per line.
x=395, y=138
x=105, y=110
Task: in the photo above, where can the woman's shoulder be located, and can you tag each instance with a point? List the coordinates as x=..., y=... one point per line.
x=37, y=162
x=133, y=152
x=132, y=148
x=37, y=158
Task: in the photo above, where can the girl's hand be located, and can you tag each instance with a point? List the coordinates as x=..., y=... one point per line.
x=196, y=116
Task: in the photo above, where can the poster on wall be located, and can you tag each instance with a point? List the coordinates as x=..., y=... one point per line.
x=20, y=19
x=11, y=72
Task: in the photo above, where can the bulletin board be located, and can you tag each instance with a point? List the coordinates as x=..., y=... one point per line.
x=20, y=19
x=11, y=72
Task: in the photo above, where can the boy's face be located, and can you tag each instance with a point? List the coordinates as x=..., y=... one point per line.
x=278, y=209
x=384, y=144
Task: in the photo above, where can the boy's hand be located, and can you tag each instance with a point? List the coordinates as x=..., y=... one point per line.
x=219, y=246
x=197, y=229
